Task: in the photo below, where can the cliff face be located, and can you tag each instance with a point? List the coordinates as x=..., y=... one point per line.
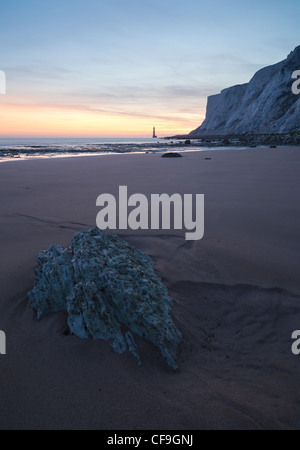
x=264, y=105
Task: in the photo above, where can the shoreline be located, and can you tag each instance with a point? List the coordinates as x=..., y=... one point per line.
x=182, y=149
x=285, y=139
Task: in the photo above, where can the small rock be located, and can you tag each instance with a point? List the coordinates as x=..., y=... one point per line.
x=172, y=155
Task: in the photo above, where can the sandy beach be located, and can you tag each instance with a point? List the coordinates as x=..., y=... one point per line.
x=236, y=293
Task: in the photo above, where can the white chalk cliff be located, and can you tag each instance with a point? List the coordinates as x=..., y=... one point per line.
x=264, y=105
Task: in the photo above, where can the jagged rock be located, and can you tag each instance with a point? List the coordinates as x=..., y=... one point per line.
x=106, y=285
x=264, y=105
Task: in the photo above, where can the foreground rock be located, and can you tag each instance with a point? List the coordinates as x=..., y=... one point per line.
x=105, y=285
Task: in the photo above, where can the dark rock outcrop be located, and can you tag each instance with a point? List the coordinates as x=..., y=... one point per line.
x=172, y=155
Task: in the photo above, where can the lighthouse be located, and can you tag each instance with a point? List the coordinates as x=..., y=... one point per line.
x=154, y=133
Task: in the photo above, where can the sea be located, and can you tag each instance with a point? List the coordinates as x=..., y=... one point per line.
x=29, y=148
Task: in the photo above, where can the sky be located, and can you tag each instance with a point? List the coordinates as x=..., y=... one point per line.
x=116, y=68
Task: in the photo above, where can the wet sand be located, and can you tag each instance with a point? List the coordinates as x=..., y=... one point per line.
x=236, y=292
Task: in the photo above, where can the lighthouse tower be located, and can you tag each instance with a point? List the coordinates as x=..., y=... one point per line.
x=154, y=133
